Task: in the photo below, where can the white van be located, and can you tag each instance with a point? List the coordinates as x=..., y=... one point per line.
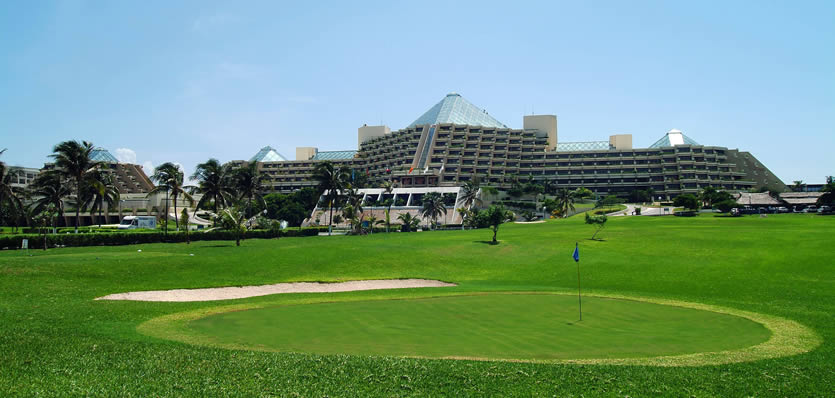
x=136, y=222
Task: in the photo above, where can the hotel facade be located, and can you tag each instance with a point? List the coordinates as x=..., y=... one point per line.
x=455, y=141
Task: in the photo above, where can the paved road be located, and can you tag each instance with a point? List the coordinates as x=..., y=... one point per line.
x=645, y=211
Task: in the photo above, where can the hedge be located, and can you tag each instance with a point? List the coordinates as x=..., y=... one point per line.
x=132, y=238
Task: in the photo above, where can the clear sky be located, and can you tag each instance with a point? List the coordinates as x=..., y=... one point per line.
x=156, y=81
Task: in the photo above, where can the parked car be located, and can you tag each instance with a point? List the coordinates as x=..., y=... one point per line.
x=824, y=209
x=810, y=209
x=782, y=209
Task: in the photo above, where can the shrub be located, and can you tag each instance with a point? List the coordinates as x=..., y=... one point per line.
x=725, y=205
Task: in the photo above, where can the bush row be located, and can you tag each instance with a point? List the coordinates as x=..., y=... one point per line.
x=120, y=238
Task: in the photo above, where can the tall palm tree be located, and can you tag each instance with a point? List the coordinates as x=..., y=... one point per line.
x=409, y=222
x=49, y=188
x=332, y=181
x=565, y=201
x=72, y=160
x=433, y=206
x=471, y=194
x=100, y=190
x=10, y=195
x=250, y=185
x=233, y=219
x=214, y=182
x=169, y=179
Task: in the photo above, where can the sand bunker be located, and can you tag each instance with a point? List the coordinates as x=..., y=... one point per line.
x=228, y=293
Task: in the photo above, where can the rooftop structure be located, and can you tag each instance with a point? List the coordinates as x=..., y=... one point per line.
x=102, y=155
x=334, y=155
x=672, y=138
x=267, y=154
x=455, y=109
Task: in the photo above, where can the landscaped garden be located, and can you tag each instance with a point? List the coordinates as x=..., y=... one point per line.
x=702, y=306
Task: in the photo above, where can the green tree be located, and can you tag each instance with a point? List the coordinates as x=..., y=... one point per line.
x=725, y=206
x=249, y=183
x=44, y=219
x=565, y=202
x=49, y=189
x=388, y=189
x=433, y=206
x=598, y=221
x=495, y=216
x=233, y=219
x=214, y=182
x=687, y=201
x=99, y=190
x=169, y=179
x=409, y=223
x=72, y=160
x=827, y=197
x=10, y=196
x=798, y=186
x=184, y=220
x=332, y=181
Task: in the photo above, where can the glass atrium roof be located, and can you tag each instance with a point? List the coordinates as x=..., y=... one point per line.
x=672, y=138
x=102, y=155
x=267, y=154
x=334, y=155
x=455, y=109
x=583, y=146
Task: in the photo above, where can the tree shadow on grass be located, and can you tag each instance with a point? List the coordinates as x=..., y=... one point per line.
x=487, y=242
x=217, y=246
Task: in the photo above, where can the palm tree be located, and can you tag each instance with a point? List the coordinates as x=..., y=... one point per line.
x=798, y=186
x=433, y=206
x=565, y=201
x=214, y=182
x=250, y=184
x=100, y=190
x=49, y=188
x=9, y=194
x=169, y=179
x=408, y=221
x=332, y=180
x=471, y=194
x=233, y=219
x=72, y=160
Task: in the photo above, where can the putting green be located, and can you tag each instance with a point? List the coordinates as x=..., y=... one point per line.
x=489, y=326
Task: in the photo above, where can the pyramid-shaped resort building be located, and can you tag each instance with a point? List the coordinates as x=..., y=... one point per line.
x=455, y=141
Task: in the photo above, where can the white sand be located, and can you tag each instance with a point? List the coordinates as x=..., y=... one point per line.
x=228, y=293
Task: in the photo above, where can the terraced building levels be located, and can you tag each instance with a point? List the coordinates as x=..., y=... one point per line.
x=455, y=141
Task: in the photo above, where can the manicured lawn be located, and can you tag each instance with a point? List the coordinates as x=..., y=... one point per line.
x=497, y=326
x=56, y=340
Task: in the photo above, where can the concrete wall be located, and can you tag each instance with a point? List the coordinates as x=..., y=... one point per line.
x=621, y=141
x=366, y=133
x=544, y=123
x=305, y=152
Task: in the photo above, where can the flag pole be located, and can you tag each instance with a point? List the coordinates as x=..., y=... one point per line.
x=579, y=298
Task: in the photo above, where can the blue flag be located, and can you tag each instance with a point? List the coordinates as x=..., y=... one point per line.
x=576, y=253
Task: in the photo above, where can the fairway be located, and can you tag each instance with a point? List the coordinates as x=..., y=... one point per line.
x=493, y=326
x=701, y=306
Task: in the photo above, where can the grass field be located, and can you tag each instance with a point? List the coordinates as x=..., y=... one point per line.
x=495, y=326
x=55, y=340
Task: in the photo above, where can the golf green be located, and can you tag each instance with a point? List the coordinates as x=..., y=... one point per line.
x=488, y=326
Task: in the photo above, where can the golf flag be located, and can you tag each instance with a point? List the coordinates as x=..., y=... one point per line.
x=576, y=253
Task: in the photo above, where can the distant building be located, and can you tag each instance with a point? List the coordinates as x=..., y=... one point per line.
x=455, y=141
x=129, y=178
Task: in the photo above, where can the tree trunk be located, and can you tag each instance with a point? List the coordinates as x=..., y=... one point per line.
x=495, y=231
x=99, y=216
x=330, y=222
x=44, y=239
x=77, y=202
x=176, y=218
x=238, y=241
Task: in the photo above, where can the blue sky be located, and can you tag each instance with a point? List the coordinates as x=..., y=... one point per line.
x=186, y=81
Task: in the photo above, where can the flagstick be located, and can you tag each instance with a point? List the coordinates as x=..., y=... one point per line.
x=579, y=299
